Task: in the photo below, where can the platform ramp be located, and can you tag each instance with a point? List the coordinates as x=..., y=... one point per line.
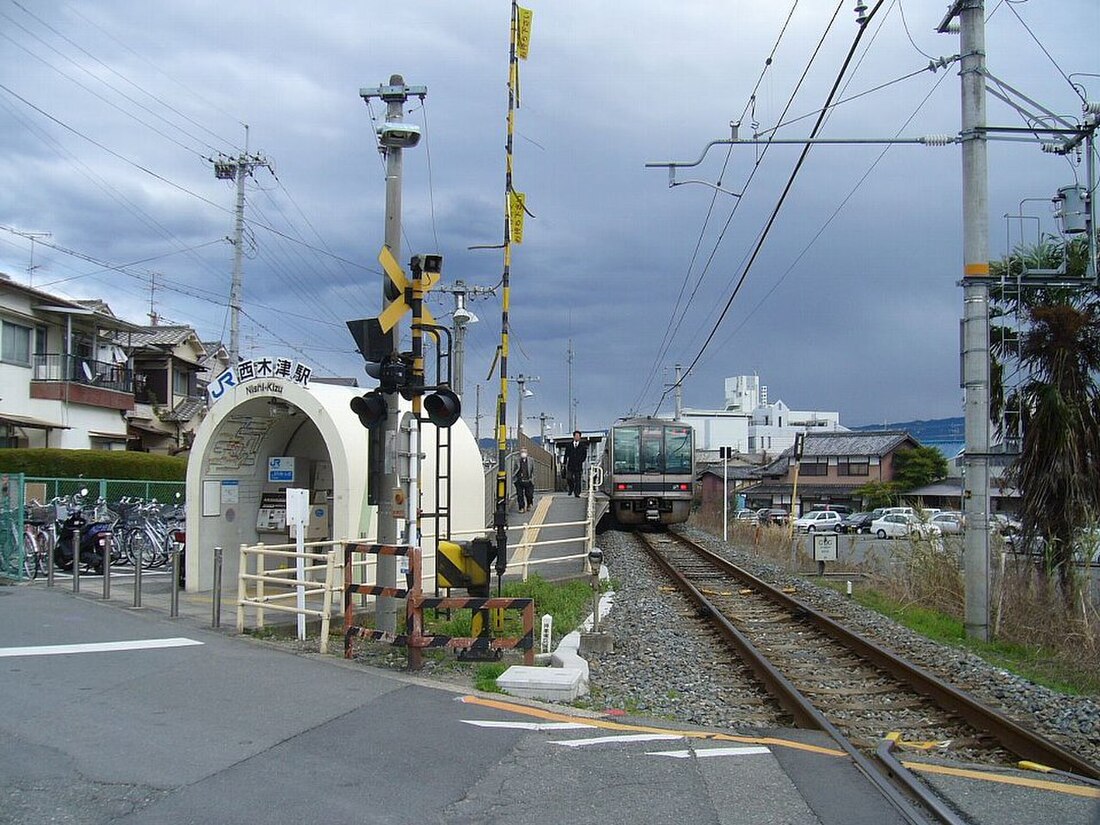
x=552, y=538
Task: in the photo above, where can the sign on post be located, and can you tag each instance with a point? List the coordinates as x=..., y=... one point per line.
x=824, y=549
x=297, y=517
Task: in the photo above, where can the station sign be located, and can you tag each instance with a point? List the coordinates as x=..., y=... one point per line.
x=280, y=469
x=260, y=375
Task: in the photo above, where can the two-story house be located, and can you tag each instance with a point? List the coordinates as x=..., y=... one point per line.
x=74, y=376
x=64, y=382
x=170, y=367
x=833, y=466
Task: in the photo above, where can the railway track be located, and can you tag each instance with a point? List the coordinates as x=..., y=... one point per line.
x=831, y=679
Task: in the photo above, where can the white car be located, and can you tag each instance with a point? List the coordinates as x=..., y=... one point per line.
x=948, y=522
x=901, y=525
x=819, y=520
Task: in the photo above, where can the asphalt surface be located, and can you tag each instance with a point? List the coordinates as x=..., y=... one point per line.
x=227, y=729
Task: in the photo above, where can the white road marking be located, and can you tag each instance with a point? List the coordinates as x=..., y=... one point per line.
x=529, y=725
x=704, y=752
x=612, y=740
x=96, y=647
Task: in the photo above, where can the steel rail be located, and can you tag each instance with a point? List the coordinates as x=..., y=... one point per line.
x=1025, y=743
x=805, y=714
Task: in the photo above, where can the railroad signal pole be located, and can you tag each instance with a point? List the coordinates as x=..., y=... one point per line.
x=393, y=138
x=237, y=169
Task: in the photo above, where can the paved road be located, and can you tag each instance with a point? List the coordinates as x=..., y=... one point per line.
x=216, y=728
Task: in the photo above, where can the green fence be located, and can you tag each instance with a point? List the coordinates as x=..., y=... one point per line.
x=11, y=526
x=109, y=489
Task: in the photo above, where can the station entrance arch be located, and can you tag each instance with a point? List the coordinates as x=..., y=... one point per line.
x=263, y=436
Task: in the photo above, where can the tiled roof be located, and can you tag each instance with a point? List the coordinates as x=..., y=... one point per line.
x=155, y=336
x=852, y=443
x=185, y=410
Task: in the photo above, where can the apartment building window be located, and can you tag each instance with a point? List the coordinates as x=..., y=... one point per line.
x=814, y=468
x=182, y=383
x=853, y=466
x=15, y=343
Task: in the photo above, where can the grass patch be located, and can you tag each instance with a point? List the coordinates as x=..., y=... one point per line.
x=1036, y=663
x=485, y=678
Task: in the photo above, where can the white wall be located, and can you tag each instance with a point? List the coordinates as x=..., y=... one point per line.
x=718, y=428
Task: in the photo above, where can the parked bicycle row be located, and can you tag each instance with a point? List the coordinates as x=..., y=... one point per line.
x=73, y=527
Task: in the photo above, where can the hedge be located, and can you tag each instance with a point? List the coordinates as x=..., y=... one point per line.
x=55, y=463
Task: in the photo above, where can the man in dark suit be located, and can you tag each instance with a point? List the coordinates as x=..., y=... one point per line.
x=576, y=452
x=523, y=477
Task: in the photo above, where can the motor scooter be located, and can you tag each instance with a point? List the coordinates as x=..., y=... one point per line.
x=89, y=535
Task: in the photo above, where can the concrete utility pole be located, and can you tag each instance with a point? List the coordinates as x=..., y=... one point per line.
x=679, y=394
x=238, y=169
x=542, y=418
x=975, y=345
x=462, y=318
x=391, y=142
x=521, y=381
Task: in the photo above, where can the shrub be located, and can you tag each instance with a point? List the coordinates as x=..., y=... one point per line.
x=55, y=463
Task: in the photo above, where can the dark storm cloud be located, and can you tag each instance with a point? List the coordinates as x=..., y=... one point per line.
x=863, y=319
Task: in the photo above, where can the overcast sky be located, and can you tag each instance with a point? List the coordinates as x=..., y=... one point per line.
x=110, y=112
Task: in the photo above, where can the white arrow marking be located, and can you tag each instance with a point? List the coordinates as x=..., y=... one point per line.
x=96, y=647
x=612, y=740
x=529, y=725
x=748, y=751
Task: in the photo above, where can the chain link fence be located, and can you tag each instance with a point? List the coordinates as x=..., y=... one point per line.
x=11, y=526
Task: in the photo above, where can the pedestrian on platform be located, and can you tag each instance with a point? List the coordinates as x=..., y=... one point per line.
x=523, y=478
x=575, y=454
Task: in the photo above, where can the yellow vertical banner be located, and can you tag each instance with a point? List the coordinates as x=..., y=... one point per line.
x=523, y=36
x=515, y=216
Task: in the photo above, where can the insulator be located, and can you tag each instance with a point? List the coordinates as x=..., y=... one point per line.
x=1091, y=107
x=937, y=140
x=1054, y=148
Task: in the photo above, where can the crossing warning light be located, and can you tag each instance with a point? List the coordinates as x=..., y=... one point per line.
x=371, y=409
x=443, y=407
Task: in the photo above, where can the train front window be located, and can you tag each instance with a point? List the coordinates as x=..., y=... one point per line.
x=626, y=449
x=678, y=450
x=653, y=447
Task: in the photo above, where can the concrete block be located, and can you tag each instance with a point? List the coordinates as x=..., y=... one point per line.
x=552, y=684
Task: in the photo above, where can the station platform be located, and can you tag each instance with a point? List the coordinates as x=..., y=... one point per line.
x=551, y=538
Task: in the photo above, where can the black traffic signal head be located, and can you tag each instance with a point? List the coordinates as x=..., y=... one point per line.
x=371, y=409
x=442, y=407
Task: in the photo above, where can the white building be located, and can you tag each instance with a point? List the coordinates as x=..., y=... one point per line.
x=749, y=424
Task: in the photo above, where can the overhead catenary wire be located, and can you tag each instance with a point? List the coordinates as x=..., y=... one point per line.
x=733, y=212
x=779, y=204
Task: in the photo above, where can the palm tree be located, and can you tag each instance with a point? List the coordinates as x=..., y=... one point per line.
x=1057, y=404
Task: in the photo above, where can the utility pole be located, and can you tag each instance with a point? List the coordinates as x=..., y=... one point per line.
x=383, y=447
x=542, y=418
x=975, y=343
x=679, y=394
x=521, y=381
x=238, y=169
x=569, y=366
x=462, y=318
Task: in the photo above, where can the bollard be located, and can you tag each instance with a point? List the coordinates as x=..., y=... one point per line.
x=105, y=542
x=137, y=577
x=217, y=619
x=49, y=557
x=76, y=559
x=174, y=611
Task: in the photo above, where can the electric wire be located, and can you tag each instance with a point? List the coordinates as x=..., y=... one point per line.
x=779, y=205
x=825, y=225
x=673, y=325
x=1050, y=57
x=908, y=34
x=733, y=211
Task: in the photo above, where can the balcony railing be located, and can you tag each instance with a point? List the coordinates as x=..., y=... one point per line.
x=79, y=370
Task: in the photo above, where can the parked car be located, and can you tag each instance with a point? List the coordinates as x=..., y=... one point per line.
x=948, y=522
x=901, y=525
x=772, y=515
x=857, y=523
x=817, y=520
x=746, y=516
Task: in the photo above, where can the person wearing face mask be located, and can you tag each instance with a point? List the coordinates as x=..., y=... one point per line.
x=523, y=478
